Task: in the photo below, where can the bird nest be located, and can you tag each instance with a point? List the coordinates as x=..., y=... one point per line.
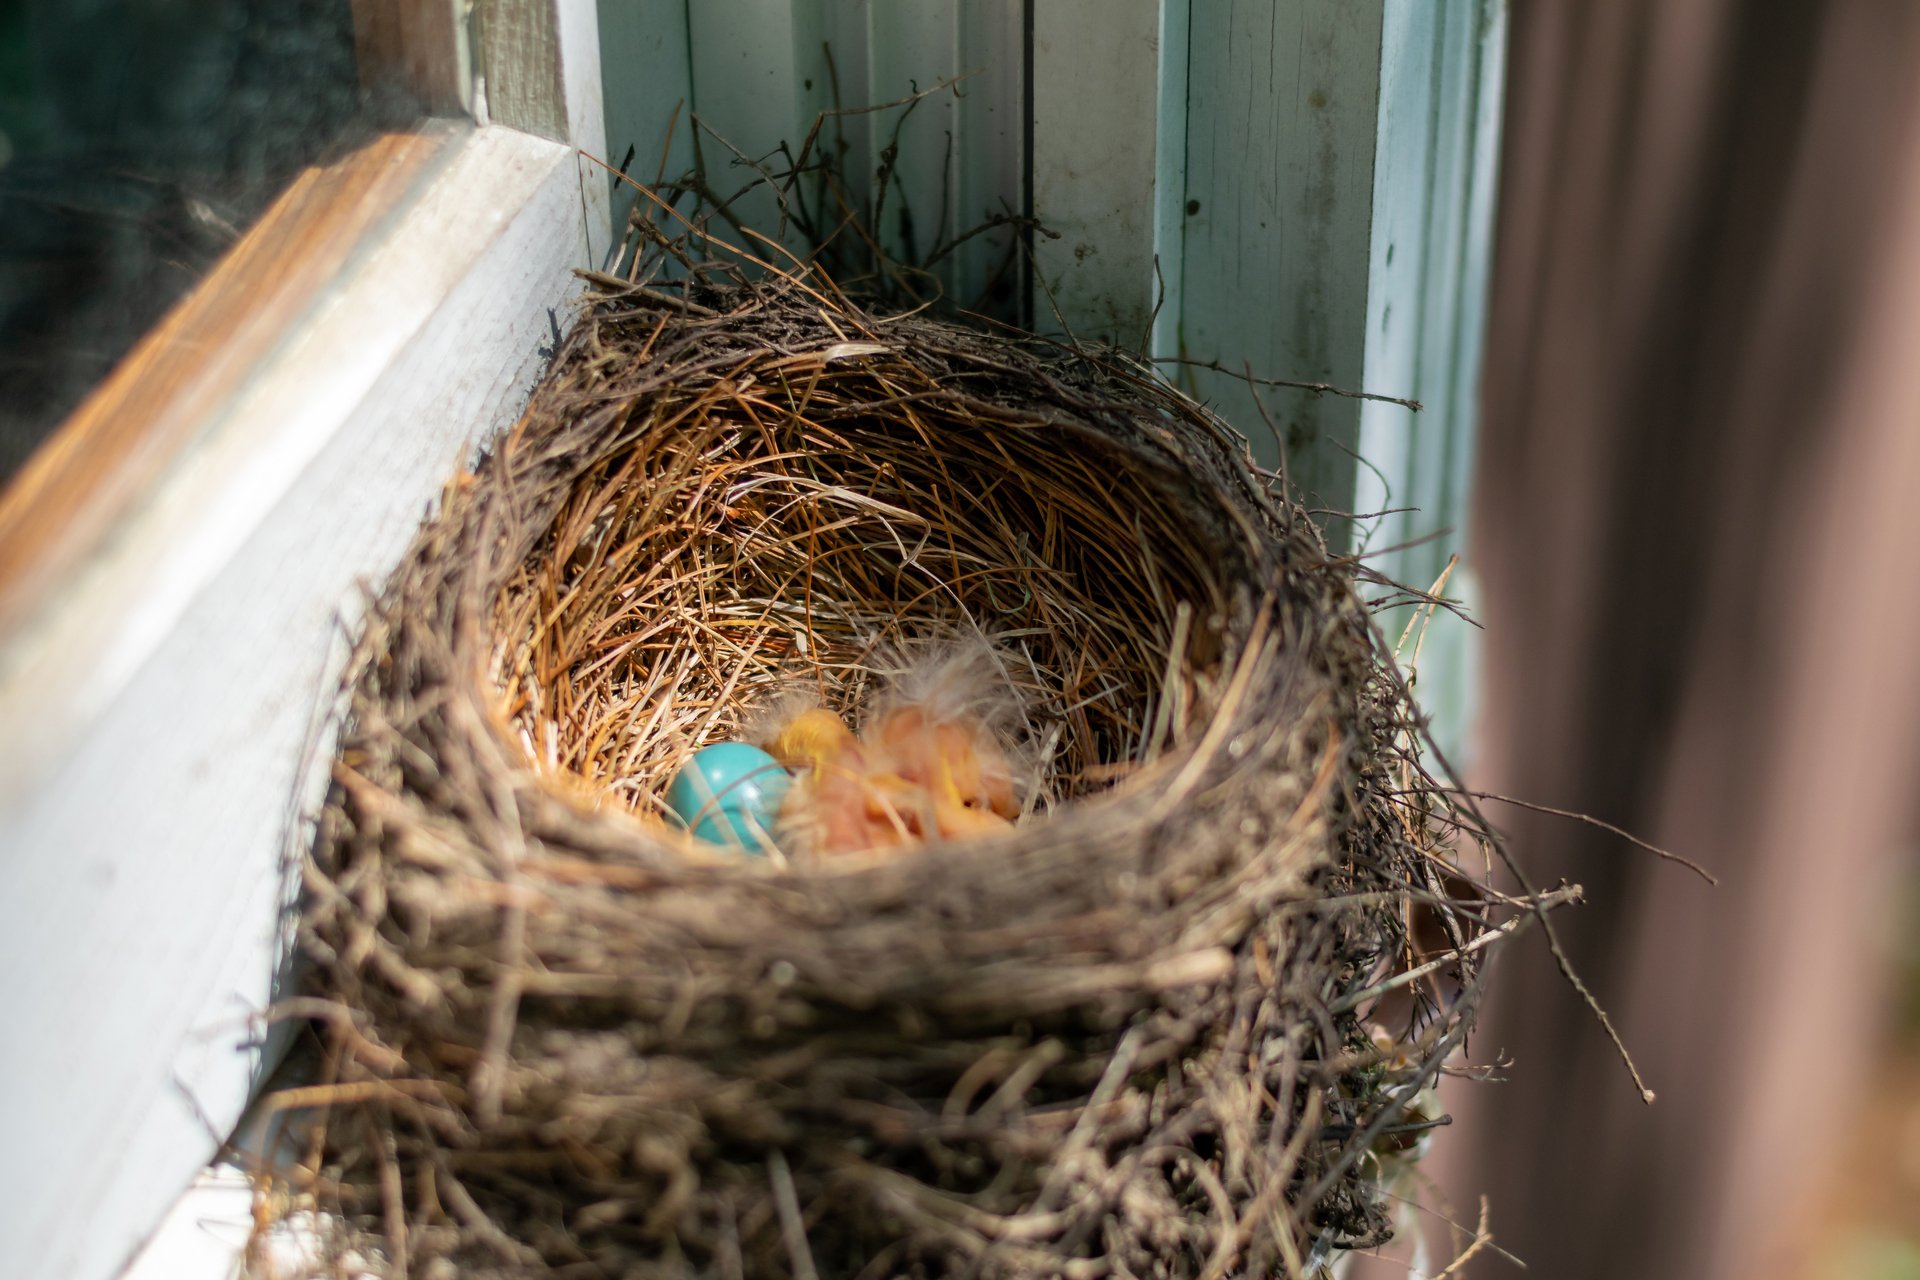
x=1138, y=1031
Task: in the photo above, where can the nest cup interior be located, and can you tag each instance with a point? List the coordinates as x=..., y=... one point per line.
x=809, y=522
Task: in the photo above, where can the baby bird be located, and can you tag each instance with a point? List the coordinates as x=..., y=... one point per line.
x=954, y=763
x=928, y=764
x=839, y=803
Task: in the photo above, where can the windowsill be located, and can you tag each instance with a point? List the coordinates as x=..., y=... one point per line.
x=181, y=569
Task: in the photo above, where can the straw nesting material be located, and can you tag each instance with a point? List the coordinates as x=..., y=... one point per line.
x=1116, y=1040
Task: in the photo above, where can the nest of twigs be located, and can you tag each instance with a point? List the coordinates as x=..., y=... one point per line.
x=1133, y=1035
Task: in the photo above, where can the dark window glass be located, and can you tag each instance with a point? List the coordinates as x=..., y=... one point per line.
x=138, y=139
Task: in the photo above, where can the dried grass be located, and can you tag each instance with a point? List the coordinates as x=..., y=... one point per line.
x=1130, y=1037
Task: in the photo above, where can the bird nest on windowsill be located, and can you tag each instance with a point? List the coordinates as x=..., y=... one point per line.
x=1134, y=1030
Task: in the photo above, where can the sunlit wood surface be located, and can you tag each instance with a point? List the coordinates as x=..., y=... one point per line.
x=149, y=410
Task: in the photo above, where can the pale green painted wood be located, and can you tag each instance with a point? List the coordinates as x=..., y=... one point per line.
x=748, y=99
x=1170, y=176
x=1099, y=174
x=1432, y=228
x=1281, y=126
x=1302, y=187
x=989, y=270
x=1109, y=163
x=956, y=156
x=907, y=40
x=649, y=92
x=757, y=73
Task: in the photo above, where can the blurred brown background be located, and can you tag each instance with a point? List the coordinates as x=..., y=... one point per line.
x=1698, y=524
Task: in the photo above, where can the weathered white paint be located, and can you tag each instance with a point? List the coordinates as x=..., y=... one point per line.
x=179, y=688
x=540, y=66
x=583, y=94
x=169, y=710
x=207, y=1230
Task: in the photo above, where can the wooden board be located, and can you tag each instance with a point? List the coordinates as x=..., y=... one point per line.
x=539, y=68
x=519, y=65
x=1109, y=139
x=959, y=160
x=649, y=94
x=181, y=567
x=759, y=76
x=176, y=691
x=419, y=47
x=1434, y=176
x=1282, y=124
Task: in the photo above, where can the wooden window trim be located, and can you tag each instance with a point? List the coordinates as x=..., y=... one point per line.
x=179, y=568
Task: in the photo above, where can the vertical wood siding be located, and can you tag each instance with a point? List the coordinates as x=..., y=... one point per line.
x=1302, y=188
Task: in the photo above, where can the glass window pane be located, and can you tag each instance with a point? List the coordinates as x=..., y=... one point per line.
x=138, y=140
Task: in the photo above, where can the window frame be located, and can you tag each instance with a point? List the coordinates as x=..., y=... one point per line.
x=181, y=564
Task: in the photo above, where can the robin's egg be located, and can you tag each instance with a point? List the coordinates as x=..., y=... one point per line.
x=730, y=794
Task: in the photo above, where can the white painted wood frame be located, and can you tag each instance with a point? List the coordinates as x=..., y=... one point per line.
x=171, y=647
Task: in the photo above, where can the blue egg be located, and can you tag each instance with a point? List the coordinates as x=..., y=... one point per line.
x=730, y=794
